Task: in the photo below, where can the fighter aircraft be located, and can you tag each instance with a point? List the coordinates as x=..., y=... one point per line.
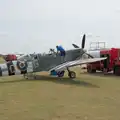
x=51, y=61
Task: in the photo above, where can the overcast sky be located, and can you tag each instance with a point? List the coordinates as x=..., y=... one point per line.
x=36, y=25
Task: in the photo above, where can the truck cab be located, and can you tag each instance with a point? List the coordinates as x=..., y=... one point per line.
x=10, y=57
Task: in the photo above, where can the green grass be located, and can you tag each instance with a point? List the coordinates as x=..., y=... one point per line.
x=2, y=60
x=87, y=98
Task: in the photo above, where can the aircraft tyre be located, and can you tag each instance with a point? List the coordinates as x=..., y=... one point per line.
x=72, y=74
x=61, y=73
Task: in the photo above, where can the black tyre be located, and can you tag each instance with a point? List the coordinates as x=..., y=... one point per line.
x=117, y=70
x=89, y=70
x=61, y=73
x=72, y=74
x=93, y=71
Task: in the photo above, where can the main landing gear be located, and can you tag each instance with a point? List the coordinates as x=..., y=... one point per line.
x=60, y=74
x=71, y=74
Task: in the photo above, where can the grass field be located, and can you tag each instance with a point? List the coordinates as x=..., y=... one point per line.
x=89, y=97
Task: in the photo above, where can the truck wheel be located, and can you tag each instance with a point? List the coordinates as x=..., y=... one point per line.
x=89, y=70
x=93, y=71
x=117, y=70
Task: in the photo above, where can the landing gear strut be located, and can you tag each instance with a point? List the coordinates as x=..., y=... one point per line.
x=71, y=74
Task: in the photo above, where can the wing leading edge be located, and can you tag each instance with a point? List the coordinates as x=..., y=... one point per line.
x=75, y=63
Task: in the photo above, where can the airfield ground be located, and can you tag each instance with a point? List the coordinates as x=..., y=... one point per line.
x=89, y=97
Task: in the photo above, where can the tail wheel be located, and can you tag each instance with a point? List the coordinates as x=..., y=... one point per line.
x=72, y=74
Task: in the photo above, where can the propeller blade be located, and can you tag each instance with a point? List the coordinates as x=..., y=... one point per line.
x=75, y=46
x=89, y=55
x=83, y=42
x=82, y=46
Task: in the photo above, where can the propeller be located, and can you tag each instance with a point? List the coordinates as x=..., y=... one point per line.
x=83, y=43
x=75, y=46
x=82, y=46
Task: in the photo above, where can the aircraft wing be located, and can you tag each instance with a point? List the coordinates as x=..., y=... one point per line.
x=75, y=63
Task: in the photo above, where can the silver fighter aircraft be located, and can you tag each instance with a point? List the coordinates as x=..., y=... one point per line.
x=52, y=62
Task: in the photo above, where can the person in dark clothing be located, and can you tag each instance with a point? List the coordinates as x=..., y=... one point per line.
x=106, y=64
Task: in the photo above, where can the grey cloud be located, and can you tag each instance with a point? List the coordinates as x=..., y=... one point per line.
x=36, y=25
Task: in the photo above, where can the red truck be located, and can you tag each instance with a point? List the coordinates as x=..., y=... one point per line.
x=112, y=63
x=10, y=57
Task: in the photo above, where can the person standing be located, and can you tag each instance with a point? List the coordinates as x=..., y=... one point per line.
x=61, y=49
x=62, y=52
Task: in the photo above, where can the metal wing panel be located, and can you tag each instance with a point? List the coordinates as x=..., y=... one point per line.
x=85, y=61
x=58, y=66
x=63, y=67
x=76, y=62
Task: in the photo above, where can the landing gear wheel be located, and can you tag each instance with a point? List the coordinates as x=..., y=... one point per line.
x=60, y=74
x=72, y=74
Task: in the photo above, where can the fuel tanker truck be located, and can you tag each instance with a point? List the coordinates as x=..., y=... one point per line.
x=112, y=63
